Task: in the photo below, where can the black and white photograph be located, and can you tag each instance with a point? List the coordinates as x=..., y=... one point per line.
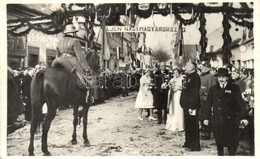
x=129, y=79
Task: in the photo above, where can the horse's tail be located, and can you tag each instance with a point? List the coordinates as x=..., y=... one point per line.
x=37, y=100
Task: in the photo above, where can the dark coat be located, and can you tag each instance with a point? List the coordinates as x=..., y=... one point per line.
x=190, y=96
x=241, y=84
x=27, y=79
x=225, y=107
x=160, y=95
x=14, y=101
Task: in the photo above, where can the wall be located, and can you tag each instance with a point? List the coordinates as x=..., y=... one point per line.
x=43, y=42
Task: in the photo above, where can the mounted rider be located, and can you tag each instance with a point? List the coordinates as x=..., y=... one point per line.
x=70, y=55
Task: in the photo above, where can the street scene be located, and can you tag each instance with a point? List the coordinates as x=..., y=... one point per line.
x=113, y=130
x=130, y=79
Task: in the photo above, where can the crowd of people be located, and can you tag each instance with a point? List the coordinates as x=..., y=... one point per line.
x=202, y=101
x=189, y=99
x=110, y=84
x=18, y=98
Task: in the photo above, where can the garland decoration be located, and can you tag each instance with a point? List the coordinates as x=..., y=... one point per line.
x=184, y=21
x=143, y=13
x=58, y=19
x=203, y=40
x=242, y=23
x=239, y=16
x=226, y=36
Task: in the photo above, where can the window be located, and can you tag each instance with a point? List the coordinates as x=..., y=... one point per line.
x=33, y=60
x=50, y=56
x=33, y=55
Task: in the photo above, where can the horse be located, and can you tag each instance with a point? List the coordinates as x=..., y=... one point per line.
x=57, y=87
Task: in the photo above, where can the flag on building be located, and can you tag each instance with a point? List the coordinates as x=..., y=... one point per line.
x=197, y=53
x=104, y=41
x=179, y=42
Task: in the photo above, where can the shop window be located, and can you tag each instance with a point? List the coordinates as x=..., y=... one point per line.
x=33, y=55
x=50, y=56
x=33, y=60
x=15, y=62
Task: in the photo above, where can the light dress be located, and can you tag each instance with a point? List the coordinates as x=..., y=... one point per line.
x=175, y=118
x=144, y=97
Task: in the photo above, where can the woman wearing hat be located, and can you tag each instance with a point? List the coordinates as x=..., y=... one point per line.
x=225, y=107
x=144, y=99
x=70, y=55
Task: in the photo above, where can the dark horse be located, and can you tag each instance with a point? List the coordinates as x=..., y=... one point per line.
x=57, y=87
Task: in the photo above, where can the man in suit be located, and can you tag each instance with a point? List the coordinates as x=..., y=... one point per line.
x=160, y=93
x=225, y=107
x=190, y=102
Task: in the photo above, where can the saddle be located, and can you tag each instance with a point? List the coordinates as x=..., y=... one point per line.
x=84, y=82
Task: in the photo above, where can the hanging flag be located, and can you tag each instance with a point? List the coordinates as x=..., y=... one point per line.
x=192, y=13
x=197, y=53
x=117, y=53
x=138, y=19
x=107, y=50
x=128, y=6
x=171, y=11
x=179, y=42
x=105, y=45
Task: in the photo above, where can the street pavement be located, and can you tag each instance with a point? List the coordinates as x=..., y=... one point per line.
x=113, y=130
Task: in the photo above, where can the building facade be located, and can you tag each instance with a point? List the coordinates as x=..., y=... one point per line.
x=242, y=47
x=33, y=48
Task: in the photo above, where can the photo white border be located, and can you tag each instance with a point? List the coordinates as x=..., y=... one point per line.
x=3, y=72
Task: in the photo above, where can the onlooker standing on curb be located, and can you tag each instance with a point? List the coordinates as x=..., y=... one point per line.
x=190, y=102
x=160, y=93
x=144, y=99
x=26, y=93
x=225, y=107
x=207, y=80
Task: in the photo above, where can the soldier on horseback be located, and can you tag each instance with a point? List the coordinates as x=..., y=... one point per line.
x=70, y=55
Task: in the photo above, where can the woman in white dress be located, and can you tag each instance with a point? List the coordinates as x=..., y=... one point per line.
x=175, y=119
x=144, y=99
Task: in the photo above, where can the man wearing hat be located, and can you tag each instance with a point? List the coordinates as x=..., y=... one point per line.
x=71, y=57
x=226, y=109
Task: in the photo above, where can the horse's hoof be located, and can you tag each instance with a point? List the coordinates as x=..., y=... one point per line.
x=74, y=142
x=86, y=144
x=31, y=154
x=47, y=153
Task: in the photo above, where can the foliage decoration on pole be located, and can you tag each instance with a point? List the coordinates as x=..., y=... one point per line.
x=226, y=35
x=203, y=40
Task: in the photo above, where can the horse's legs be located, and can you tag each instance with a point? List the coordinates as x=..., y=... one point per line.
x=75, y=122
x=35, y=121
x=85, y=122
x=46, y=126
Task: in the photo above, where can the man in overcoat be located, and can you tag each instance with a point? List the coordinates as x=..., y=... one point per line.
x=190, y=102
x=225, y=107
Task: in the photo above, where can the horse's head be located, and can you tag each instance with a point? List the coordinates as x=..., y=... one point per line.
x=93, y=61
